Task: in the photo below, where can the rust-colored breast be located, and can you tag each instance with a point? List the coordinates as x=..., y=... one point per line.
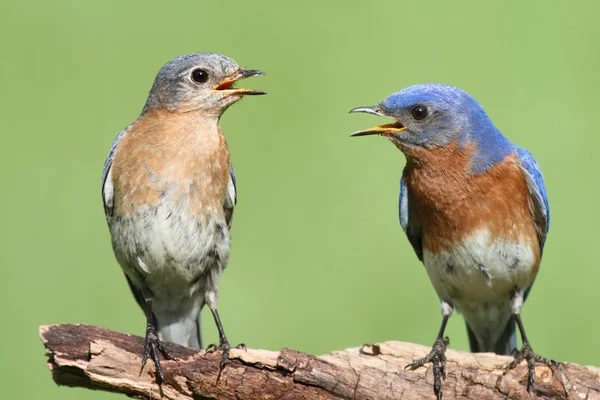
x=171, y=155
x=451, y=204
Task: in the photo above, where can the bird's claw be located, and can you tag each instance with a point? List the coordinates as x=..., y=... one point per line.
x=211, y=348
x=152, y=346
x=526, y=353
x=224, y=347
x=437, y=356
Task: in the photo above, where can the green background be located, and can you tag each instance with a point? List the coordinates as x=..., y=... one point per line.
x=319, y=261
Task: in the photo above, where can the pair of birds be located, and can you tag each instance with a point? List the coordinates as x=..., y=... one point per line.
x=473, y=206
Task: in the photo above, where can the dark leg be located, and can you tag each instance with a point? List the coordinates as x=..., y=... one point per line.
x=152, y=345
x=199, y=327
x=223, y=342
x=437, y=356
x=526, y=353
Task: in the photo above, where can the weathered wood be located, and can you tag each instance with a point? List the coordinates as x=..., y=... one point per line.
x=100, y=359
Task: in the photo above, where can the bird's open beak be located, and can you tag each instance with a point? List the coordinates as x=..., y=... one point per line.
x=227, y=85
x=384, y=130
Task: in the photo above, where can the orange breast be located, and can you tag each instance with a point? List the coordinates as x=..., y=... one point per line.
x=176, y=153
x=451, y=203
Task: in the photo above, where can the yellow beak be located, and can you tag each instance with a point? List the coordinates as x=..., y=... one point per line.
x=384, y=130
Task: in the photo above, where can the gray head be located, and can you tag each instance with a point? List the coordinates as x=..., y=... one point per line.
x=199, y=82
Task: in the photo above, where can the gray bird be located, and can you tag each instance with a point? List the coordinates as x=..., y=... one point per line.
x=169, y=191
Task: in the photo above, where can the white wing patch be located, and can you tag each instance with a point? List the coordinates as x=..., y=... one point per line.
x=231, y=196
x=108, y=191
x=143, y=265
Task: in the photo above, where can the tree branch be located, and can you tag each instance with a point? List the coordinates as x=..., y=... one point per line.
x=100, y=359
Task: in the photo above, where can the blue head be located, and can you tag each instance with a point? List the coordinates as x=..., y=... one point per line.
x=435, y=115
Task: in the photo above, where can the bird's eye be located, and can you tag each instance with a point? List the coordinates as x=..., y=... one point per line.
x=199, y=75
x=419, y=112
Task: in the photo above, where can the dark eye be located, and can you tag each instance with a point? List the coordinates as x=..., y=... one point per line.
x=199, y=75
x=419, y=112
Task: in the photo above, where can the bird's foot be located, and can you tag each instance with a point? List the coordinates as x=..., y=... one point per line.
x=437, y=356
x=152, y=346
x=224, y=347
x=526, y=353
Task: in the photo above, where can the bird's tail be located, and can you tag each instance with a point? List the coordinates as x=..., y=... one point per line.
x=504, y=345
x=182, y=328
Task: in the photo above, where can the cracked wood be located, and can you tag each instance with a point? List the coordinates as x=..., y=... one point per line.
x=100, y=359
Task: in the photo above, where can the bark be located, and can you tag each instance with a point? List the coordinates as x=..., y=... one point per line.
x=100, y=359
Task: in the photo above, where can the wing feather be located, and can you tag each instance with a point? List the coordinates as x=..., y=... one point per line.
x=408, y=220
x=538, y=204
x=230, y=197
x=108, y=191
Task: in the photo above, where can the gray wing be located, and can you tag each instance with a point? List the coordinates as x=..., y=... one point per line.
x=107, y=198
x=230, y=197
x=409, y=222
x=538, y=204
x=107, y=184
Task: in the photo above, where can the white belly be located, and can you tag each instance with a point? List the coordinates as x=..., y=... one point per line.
x=479, y=277
x=481, y=269
x=169, y=251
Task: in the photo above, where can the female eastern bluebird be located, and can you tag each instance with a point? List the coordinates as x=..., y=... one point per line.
x=474, y=208
x=169, y=191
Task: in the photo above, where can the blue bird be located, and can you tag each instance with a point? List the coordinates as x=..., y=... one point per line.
x=475, y=210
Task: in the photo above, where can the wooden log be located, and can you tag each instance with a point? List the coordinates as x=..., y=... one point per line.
x=101, y=359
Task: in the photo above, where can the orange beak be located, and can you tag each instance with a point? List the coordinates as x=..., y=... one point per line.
x=384, y=130
x=227, y=85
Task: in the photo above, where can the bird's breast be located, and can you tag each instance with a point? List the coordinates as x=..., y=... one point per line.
x=451, y=203
x=173, y=159
x=478, y=234
x=170, y=176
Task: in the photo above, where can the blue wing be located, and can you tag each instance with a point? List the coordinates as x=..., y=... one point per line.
x=409, y=222
x=540, y=210
x=107, y=185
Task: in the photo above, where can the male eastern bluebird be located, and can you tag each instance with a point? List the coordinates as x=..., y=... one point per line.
x=474, y=208
x=169, y=191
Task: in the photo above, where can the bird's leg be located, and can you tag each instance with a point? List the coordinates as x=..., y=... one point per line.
x=526, y=353
x=437, y=355
x=152, y=345
x=223, y=342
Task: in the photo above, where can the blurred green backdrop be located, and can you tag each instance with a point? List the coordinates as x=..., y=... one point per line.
x=319, y=261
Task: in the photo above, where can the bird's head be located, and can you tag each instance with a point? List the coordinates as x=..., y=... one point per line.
x=199, y=81
x=431, y=115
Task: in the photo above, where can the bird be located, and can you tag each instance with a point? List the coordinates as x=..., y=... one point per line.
x=169, y=191
x=474, y=207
